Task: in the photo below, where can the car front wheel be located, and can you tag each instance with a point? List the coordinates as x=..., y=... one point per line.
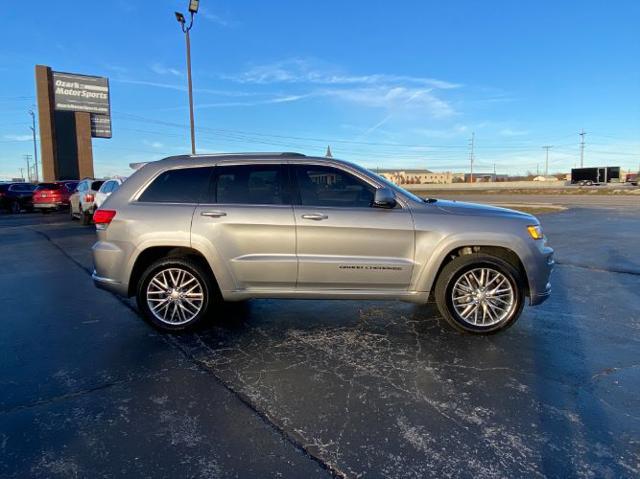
x=174, y=294
x=480, y=294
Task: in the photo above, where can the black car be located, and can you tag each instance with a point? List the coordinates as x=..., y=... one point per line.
x=15, y=197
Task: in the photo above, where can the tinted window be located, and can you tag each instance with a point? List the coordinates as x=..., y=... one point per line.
x=107, y=187
x=71, y=186
x=327, y=186
x=48, y=186
x=178, y=186
x=114, y=186
x=250, y=184
x=24, y=187
x=95, y=185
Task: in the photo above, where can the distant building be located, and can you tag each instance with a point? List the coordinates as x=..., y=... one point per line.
x=417, y=177
x=480, y=177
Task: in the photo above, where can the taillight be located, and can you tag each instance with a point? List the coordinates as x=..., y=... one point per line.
x=88, y=198
x=102, y=218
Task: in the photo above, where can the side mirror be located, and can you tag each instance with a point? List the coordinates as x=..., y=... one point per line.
x=384, y=198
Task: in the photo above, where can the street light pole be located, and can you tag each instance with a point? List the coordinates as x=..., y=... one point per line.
x=35, y=146
x=193, y=9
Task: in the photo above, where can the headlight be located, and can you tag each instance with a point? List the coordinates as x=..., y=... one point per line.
x=535, y=231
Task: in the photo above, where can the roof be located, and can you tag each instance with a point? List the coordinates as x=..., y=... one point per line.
x=248, y=156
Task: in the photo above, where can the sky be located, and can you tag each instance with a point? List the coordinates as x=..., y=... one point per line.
x=399, y=84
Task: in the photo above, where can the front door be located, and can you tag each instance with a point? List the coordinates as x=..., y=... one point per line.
x=247, y=227
x=343, y=242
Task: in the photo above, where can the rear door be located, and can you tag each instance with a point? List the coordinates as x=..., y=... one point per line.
x=342, y=241
x=161, y=214
x=247, y=228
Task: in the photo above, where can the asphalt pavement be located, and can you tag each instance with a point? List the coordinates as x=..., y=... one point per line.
x=319, y=388
x=575, y=200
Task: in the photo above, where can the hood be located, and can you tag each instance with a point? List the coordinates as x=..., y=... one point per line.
x=477, y=209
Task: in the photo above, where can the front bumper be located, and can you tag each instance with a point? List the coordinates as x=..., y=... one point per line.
x=539, y=285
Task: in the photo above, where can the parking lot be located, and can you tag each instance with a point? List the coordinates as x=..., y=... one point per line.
x=277, y=388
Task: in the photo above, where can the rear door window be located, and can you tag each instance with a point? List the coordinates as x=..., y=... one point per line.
x=185, y=185
x=250, y=184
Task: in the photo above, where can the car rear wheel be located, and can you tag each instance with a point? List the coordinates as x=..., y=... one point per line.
x=15, y=207
x=174, y=294
x=480, y=294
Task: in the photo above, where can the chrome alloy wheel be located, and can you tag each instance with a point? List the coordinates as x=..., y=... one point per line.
x=175, y=296
x=483, y=297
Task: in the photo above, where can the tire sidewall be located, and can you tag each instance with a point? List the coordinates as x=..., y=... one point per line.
x=484, y=261
x=194, y=269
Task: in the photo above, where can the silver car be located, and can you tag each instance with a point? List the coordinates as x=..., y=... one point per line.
x=184, y=233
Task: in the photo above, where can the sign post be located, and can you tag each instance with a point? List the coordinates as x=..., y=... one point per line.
x=72, y=109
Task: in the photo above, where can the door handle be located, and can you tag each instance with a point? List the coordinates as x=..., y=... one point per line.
x=315, y=216
x=213, y=214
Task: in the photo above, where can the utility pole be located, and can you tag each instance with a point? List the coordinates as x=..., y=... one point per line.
x=582, y=133
x=21, y=173
x=193, y=9
x=28, y=158
x=546, y=162
x=471, y=153
x=35, y=146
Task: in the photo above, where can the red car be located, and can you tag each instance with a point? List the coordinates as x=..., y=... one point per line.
x=53, y=196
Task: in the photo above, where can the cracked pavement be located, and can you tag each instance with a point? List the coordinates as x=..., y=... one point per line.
x=277, y=388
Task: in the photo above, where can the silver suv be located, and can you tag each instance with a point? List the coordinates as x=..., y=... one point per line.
x=187, y=232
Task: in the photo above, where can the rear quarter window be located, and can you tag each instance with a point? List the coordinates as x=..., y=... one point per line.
x=185, y=185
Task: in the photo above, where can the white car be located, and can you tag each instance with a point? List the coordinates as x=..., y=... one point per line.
x=106, y=189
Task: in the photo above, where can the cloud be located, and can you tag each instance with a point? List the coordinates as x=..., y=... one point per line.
x=512, y=132
x=12, y=137
x=172, y=86
x=214, y=18
x=396, y=93
x=396, y=98
x=304, y=71
x=162, y=70
x=153, y=144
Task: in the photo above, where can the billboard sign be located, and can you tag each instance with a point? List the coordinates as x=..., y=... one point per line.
x=100, y=126
x=73, y=92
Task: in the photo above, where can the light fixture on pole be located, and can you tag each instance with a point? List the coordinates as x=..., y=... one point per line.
x=193, y=9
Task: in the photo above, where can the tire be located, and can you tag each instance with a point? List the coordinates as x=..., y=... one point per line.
x=482, y=311
x=85, y=217
x=173, y=317
x=14, y=207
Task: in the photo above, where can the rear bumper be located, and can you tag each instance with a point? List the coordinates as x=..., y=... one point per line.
x=51, y=206
x=109, y=284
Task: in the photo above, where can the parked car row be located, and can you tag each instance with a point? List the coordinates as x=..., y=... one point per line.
x=82, y=197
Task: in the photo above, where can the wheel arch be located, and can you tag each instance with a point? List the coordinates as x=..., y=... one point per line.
x=153, y=253
x=503, y=251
